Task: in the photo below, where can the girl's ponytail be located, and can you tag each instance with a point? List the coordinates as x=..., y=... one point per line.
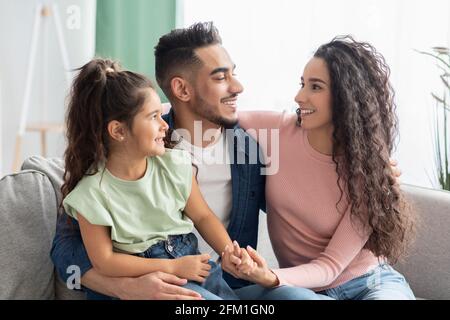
x=100, y=93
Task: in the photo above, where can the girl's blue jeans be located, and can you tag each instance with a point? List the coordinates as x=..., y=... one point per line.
x=213, y=288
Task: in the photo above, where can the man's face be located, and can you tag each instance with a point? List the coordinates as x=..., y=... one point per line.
x=216, y=87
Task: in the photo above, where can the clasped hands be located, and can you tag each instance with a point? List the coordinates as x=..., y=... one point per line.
x=247, y=264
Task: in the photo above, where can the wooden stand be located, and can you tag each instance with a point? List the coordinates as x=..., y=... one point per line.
x=42, y=128
x=41, y=12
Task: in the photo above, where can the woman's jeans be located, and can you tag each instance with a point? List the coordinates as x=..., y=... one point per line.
x=381, y=283
x=213, y=288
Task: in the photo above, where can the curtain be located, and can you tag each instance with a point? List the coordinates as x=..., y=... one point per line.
x=129, y=30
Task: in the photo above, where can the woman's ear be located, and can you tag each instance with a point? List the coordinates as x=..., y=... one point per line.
x=116, y=130
x=181, y=89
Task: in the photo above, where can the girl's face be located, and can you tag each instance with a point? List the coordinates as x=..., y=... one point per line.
x=314, y=96
x=149, y=129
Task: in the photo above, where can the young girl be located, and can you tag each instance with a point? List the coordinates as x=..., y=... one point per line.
x=336, y=216
x=136, y=201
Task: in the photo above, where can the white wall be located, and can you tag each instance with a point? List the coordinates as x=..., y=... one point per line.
x=16, y=21
x=271, y=41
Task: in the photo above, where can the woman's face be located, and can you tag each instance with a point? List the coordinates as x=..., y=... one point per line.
x=314, y=96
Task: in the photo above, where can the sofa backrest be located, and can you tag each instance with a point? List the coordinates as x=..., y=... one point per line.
x=27, y=226
x=28, y=209
x=427, y=266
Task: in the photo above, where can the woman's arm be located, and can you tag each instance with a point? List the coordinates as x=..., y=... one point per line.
x=346, y=243
x=206, y=222
x=109, y=263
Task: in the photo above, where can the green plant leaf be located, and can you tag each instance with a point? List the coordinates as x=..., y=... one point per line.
x=434, y=56
x=445, y=81
x=441, y=125
x=440, y=100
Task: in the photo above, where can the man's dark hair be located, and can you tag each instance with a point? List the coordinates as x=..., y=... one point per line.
x=175, y=51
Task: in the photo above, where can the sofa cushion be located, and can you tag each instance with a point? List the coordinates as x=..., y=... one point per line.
x=53, y=168
x=27, y=226
x=427, y=266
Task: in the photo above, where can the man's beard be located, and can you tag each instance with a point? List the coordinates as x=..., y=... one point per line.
x=208, y=112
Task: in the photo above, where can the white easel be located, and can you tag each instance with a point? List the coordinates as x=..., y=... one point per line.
x=43, y=12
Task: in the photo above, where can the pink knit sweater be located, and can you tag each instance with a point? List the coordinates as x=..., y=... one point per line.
x=316, y=246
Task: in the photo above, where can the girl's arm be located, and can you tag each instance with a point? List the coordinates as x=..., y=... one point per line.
x=206, y=222
x=97, y=241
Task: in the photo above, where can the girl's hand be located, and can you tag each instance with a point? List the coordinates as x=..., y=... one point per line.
x=231, y=258
x=237, y=261
x=227, y=264
x=249, y=265
x=195, y=268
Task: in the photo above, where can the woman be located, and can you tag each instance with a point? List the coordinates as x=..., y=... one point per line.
x=336, y=217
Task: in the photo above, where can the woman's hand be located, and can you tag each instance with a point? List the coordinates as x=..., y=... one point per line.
x=195, y=267
x=247, y=264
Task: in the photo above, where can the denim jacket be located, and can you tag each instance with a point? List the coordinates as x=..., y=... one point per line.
x=248, y=187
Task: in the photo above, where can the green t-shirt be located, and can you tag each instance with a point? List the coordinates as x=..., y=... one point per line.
x=141, y=212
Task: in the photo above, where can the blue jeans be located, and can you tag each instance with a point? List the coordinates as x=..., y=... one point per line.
x=257, y=292
x=381, y=283
x=213, y=288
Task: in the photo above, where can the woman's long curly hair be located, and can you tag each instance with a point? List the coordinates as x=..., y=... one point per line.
x=365, y=127
x=100, y=93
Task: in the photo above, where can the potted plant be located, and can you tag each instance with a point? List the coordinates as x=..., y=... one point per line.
x=441, y=55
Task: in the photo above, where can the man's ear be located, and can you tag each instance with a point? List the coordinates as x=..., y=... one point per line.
x=181, y=89
x=117, y=130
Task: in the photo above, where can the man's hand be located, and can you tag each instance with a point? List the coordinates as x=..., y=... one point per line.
x=396, y=171
x=156, y=286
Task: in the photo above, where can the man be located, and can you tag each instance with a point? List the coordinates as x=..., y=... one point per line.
x=197, y=76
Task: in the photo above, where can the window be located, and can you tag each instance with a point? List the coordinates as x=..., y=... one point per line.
x=271, y=41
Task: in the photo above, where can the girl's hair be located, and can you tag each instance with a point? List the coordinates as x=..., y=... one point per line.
x=100, y=93
x=365, y=127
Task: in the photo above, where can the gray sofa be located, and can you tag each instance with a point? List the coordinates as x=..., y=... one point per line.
x=28, y=205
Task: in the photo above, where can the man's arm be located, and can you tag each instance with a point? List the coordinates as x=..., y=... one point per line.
x=152, y=286
x=68, y=249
